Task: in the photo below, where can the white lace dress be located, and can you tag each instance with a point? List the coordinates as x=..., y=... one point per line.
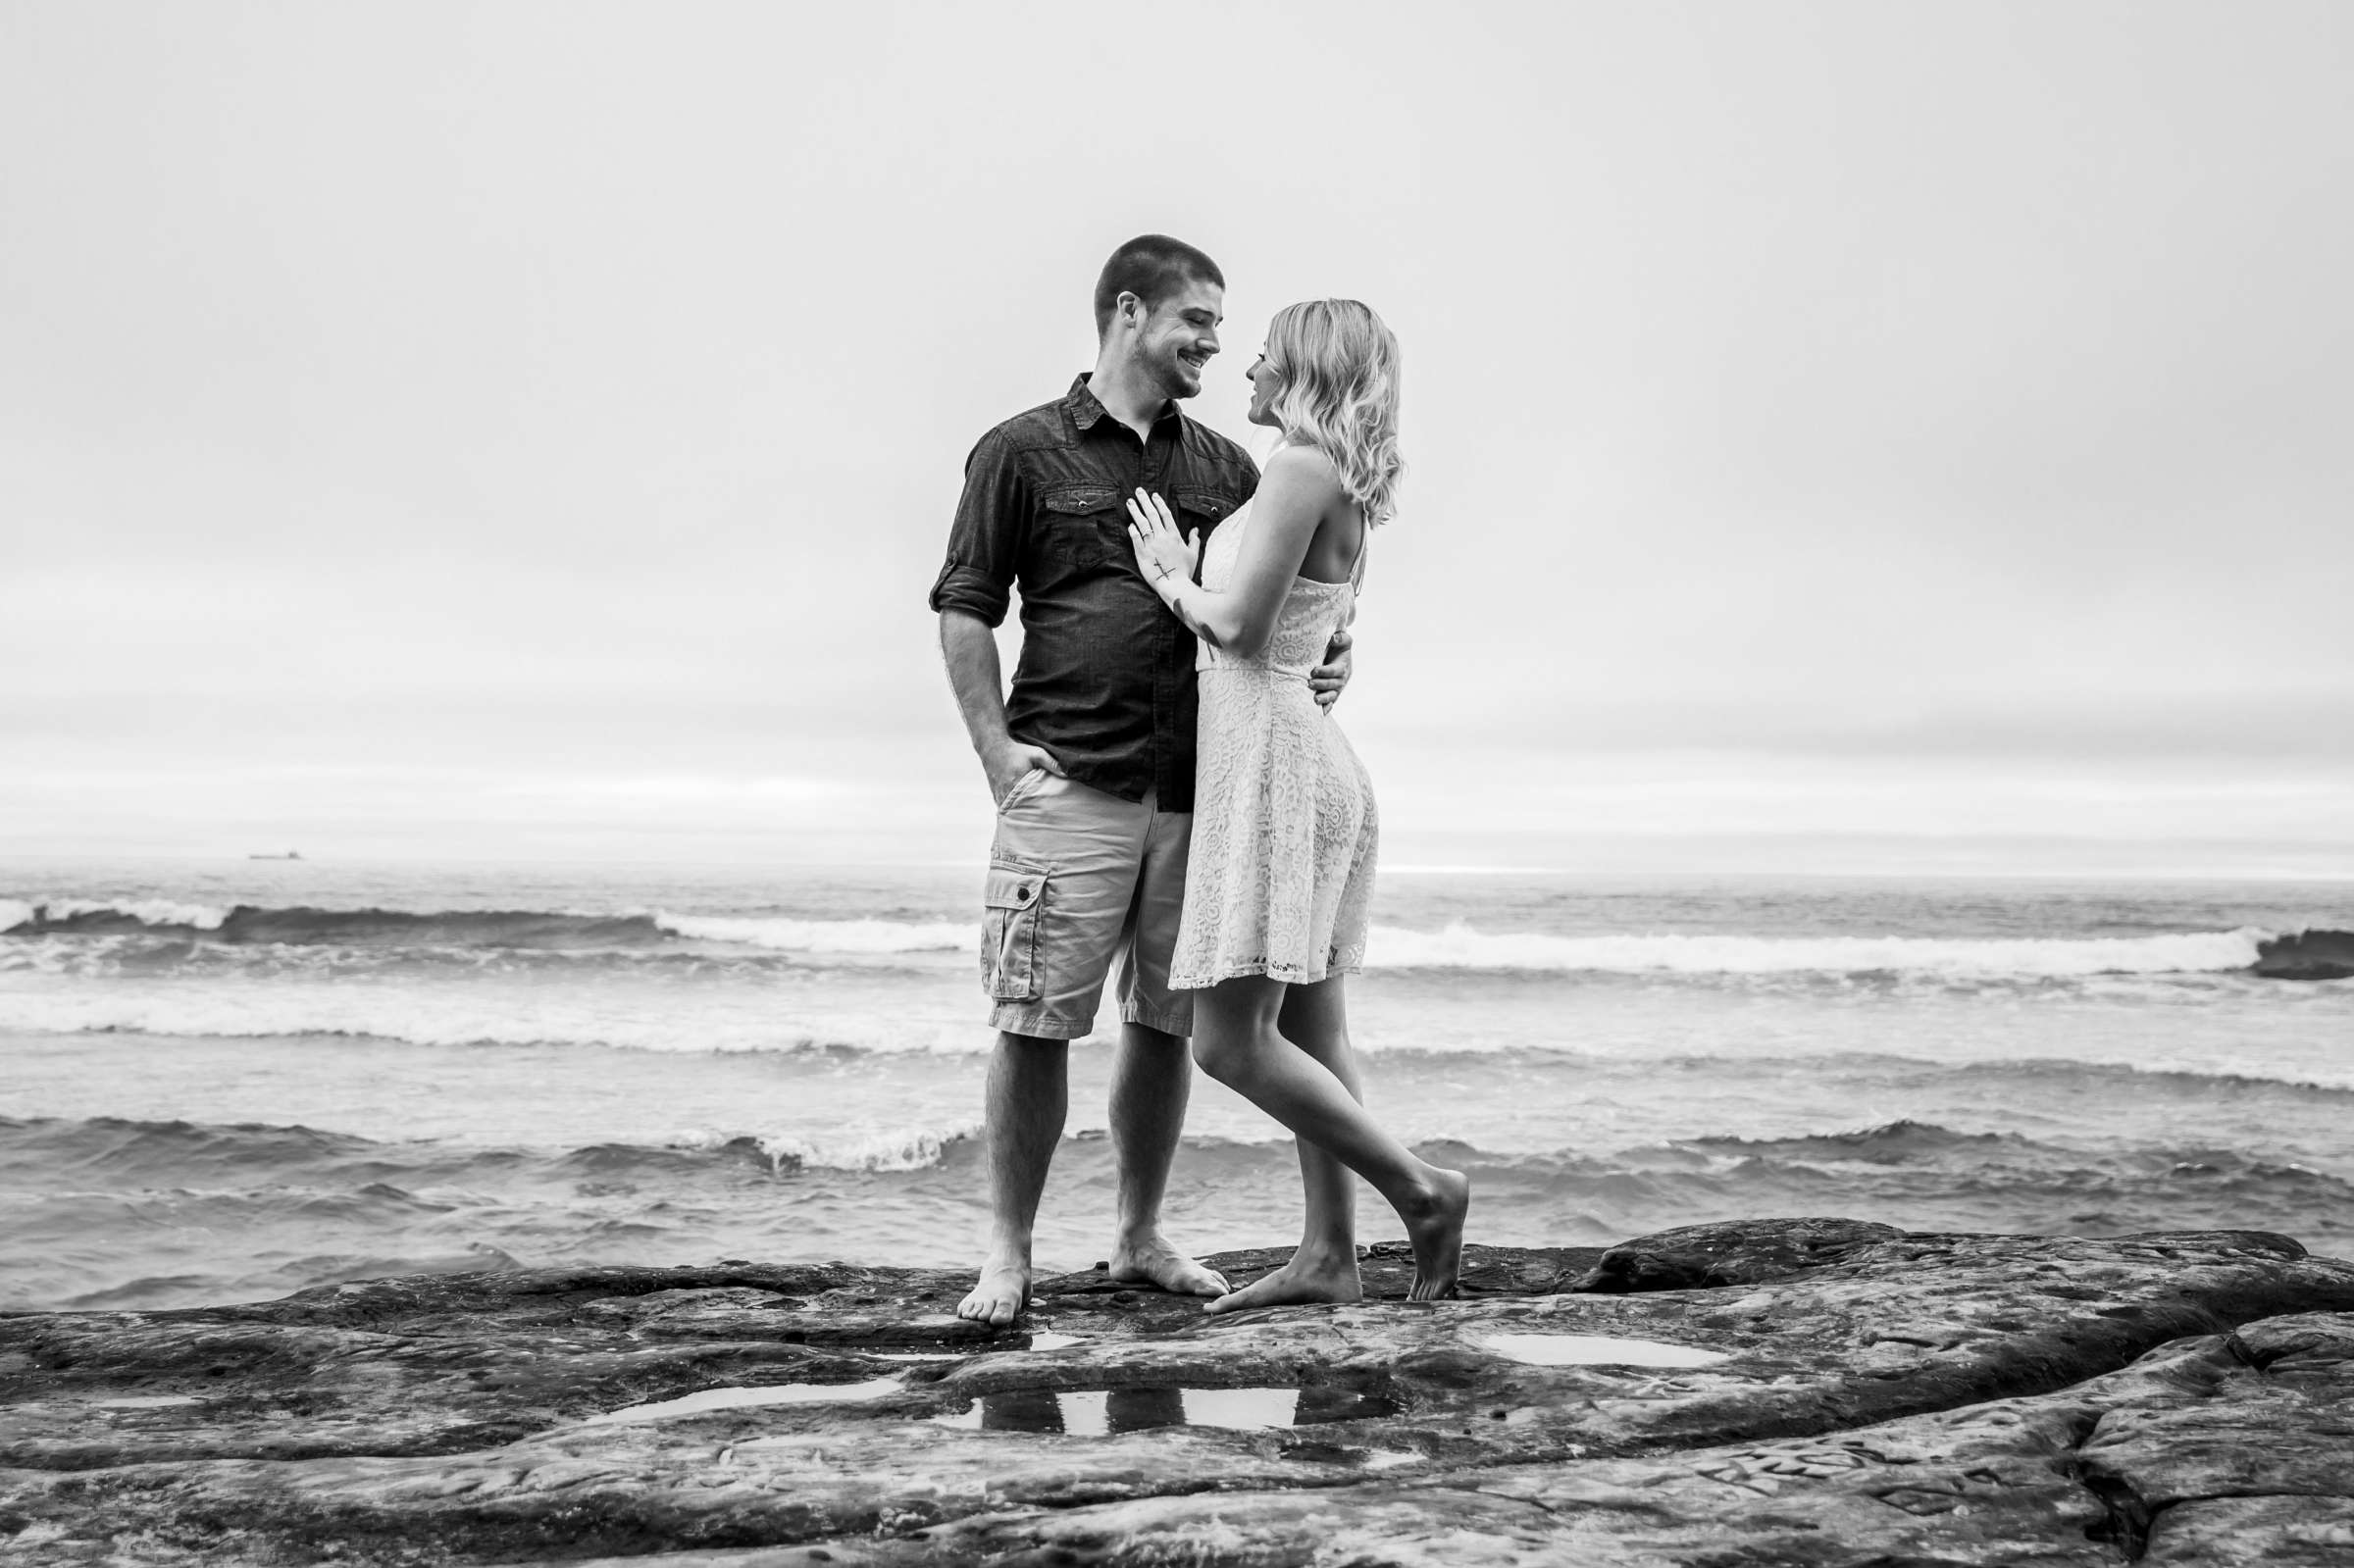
x=1280, y=879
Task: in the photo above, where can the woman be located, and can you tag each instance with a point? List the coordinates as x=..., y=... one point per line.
x=1280, y=882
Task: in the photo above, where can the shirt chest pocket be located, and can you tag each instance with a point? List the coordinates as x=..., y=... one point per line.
x=1080, y=528
x=1197, y=507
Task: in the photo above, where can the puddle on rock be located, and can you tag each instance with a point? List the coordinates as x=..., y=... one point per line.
x=1595, y=1350
x=146, y=1401
x=1043, y=1340
x=1100, y=1412
x=735, y=1398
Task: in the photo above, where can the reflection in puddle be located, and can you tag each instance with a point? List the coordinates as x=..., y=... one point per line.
x=1051, y=1340
x=1595, y=1350
x=1098, y=1412
x=733, y=1398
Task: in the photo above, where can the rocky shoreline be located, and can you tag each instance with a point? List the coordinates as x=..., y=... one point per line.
x=2310, y=955
x=1793, y=1391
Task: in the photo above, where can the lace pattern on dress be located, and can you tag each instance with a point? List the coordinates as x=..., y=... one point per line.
x=1280, y=879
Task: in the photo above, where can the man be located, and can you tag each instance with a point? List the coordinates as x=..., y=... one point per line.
x=1090, y=761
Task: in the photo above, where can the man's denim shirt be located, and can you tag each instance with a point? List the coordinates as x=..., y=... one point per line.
x=1106, y=681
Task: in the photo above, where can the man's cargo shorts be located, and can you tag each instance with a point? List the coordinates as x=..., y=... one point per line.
x=1077, y=878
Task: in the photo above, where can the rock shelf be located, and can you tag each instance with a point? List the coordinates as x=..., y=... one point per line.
x=1789, y=1392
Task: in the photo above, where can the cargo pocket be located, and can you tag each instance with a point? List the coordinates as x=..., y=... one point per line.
x=1010, y=930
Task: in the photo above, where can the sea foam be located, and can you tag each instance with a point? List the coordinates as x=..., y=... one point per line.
x=232, y=1010
x=1459, y=946
x=852, y=1148
x=820, y=936
x=14, y=912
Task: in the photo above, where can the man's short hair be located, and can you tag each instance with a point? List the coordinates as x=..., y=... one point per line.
x=1151, y=267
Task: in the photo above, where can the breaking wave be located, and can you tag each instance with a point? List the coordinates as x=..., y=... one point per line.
x=457, y=1016
x=494, y=929
x=1459, y=946
x=821, y=936
x=1456, y=946
x=258, y=1210
x=107, y=1151
x=302, y=924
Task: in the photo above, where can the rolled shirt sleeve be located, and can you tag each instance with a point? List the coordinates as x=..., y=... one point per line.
x=985, y=543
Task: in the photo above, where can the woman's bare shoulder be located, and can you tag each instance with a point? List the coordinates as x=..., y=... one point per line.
x=1302, y=469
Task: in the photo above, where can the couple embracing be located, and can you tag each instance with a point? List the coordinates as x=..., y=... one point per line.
x=1171, y=791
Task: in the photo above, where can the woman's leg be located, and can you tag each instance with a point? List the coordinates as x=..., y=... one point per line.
x=1238, y=1042
x=1315, y=1019
x=1325, y=1268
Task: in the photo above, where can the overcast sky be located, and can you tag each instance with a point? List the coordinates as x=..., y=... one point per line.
x=1880, y=434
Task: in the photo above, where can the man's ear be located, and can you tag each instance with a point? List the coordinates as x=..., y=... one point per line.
x=1130, y=308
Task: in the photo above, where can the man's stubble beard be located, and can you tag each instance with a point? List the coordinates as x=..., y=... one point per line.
x=1167, y=375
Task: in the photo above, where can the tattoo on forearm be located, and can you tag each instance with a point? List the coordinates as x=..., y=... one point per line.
x=1194, y=624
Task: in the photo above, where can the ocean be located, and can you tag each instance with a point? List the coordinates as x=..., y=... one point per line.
x=227, y=1080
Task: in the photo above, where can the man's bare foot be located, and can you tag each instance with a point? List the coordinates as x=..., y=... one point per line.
x=1437, y=1236
x=1001, y=1294
x=1304, y=1279
x=1153, y=1261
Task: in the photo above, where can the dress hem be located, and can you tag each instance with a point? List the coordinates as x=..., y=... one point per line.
x=1289, y=974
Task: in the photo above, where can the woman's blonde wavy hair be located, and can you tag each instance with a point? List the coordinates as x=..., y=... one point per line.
x=1337, y=365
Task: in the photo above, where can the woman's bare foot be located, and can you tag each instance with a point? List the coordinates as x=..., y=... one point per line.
x=1306, y=1278
x=1150, y=1260
x=1002, y=1292
x=1436, y=1232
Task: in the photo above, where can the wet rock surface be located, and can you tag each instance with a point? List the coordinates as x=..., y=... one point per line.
x=1767, y=1392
